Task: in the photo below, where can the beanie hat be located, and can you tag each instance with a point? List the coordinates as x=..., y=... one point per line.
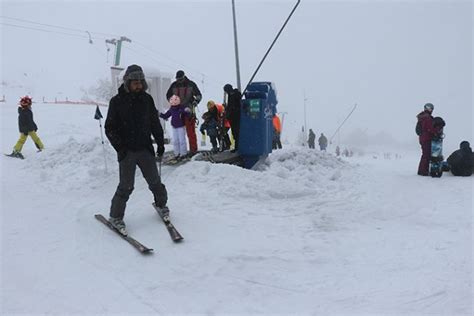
x=179, y=74
x=134, y=72
x=464, y=145
x=228, y=88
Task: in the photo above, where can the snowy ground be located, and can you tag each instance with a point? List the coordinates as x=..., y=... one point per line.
x=305, y=234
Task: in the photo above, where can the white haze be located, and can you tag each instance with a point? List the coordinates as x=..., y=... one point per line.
x=389, y=57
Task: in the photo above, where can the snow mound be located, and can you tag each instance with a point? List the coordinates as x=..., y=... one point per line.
x=286, y=174
x=72, y=165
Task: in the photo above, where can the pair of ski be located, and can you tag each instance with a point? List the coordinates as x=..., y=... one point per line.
x=174, y=234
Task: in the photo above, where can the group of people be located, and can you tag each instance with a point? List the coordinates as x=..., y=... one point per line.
x=429, y=128
x=132, y=118
x=322, y=140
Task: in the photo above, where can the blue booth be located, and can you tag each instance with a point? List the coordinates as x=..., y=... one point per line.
x=256, y=125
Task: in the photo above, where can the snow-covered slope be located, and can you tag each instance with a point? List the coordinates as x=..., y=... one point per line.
x=306, y=233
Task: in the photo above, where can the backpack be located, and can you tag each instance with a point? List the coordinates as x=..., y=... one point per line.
x=418, y=128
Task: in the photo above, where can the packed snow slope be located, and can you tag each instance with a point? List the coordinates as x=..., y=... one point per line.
x=306, y=233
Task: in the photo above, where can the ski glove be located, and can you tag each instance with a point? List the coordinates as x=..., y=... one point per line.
x=160, y=150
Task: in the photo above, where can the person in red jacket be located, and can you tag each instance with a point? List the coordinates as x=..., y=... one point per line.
x=190, y=96
x=428, y=131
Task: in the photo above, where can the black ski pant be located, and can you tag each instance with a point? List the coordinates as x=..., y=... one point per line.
x=127, y=167
x=235, y=127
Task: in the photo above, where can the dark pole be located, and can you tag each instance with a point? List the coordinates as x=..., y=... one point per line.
x=353, y=109
x=236, y=47
x=270, y=48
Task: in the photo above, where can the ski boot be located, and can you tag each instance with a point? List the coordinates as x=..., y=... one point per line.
x=163, y=211
x=16, y=154
x=119, y=225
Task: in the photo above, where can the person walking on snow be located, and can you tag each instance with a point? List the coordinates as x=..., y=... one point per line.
x=190, y=96
x=311, y=138
x=131, y=120
x=427, y=133
x=27, y=127
x=178, y=114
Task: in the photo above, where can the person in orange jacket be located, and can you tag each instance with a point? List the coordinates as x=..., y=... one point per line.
x=223, y=124
x=276, y=142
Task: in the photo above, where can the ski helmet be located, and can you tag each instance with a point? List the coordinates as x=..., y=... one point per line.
x=25, y=101
x=429, y=106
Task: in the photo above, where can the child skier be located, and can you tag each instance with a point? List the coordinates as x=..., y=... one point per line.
x=209, y=125
x=27, y=127
x=178, y=113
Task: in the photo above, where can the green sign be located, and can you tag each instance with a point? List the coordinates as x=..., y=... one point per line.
x=254, y=108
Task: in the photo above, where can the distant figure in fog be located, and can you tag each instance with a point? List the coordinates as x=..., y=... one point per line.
x=311, y=138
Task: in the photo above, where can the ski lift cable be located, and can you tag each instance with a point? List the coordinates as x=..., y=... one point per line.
x=347, y=117
x=43, y=30
x=172, y=68
x=191, y=69
x=54, y=26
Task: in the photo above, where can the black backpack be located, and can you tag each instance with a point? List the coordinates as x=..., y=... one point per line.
x=418, y=128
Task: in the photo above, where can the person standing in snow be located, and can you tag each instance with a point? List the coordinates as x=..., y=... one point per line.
x=190, y=96
x=276, y=141
x=311, y=138
x=323, y=142
x=461, y=161
x=178, y=115
x=27, y=127
x=427, y=133
x=209, y=126
x=131, y=120
x=232, y=110
x=217, y=111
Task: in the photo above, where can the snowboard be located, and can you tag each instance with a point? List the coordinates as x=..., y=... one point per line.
x=436, y=160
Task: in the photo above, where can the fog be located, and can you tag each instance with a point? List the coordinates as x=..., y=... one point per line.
x=389, y=57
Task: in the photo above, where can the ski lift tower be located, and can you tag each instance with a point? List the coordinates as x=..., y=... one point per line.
x=118, y=47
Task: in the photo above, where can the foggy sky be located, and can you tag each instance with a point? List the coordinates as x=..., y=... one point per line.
x=388, y=57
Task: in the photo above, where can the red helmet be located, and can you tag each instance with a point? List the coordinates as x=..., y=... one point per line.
x=25, y=101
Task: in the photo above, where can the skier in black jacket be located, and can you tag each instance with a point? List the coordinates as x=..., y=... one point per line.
x=131, y=120
x=27, y=127
x=232, y=111
x=461, y=161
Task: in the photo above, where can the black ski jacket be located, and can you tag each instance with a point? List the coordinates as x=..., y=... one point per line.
x=232, y=109
x=131, y=120
x=25, y=120
x=461, y=161
x=186, y=90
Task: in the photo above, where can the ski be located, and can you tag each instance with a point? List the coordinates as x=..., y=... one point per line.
x=174, y=234
x=136, y=244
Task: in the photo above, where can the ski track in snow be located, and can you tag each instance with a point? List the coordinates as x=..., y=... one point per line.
x=306, y=233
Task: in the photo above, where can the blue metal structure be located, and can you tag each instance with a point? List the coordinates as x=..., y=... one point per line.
x=256, y=126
